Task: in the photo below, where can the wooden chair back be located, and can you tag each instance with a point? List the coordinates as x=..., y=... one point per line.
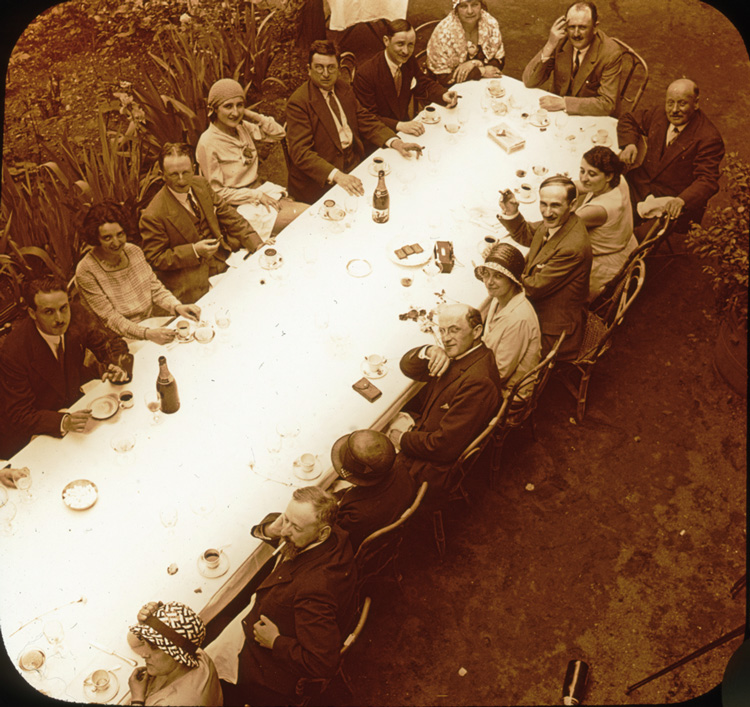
x=633, y=79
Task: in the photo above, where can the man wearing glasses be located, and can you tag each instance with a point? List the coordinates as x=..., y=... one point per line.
x=325, y=130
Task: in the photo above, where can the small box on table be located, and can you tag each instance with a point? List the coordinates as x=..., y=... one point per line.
x=506, y=138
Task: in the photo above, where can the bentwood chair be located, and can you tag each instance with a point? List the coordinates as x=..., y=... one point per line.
x=379, y=550
x=597, y=338
x=423, y=32
x=309, y=688
x=633, y=79
x=516, y=409
x=348, y=66
x=10, y=293
x=457, y=492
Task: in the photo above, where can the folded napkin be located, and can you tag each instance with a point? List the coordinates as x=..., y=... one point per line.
x=653, y=206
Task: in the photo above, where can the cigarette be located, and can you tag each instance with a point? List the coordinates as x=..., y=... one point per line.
x=276, y=551
x=247, y=255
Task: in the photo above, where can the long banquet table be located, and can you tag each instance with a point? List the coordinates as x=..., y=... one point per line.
x=280, y=363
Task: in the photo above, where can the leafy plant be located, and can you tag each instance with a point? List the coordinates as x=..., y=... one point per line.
x=724, y=243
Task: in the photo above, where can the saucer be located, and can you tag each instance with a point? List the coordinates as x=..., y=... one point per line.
x=530, y=198
x=314, y=474
x=358, y=267
x=536, y=124
x=187, y=340
x=204, y=334
x=607, y=142
x=218, y=571
x=80, y=495
x=367, y=373
x=425, y=118
x=334, y=213
x=103, y=408
x=373, y=169
x=102, y=696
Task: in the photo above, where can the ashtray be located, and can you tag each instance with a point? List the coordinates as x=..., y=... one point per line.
x=358, y=268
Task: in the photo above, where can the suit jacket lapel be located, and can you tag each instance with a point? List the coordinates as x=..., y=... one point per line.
x=179, y=217
x=320, y=106
x=204, y=201
x=587, y=65
x=45, y=363
x=545, y=251
x=682, y=142
x=385, y=79
x=565, y=67
x=455, y=371
x=536, y=245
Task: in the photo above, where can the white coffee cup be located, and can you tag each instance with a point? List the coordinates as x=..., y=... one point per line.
x=100, y=680
x=376, y=363
x=307, y=462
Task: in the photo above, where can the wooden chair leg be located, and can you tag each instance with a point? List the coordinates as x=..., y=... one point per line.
x=497, y=450
x=437, y=524
x=582, y=393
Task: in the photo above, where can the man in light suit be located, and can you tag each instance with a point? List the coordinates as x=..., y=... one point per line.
x=683, y=153
x=325, y=129
x=584, y=64
x=188, y=230
x=41, y=366
x=558, y=264
x=461, y=395
x=390, y=82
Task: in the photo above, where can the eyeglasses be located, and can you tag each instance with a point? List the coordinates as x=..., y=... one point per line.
x=322, y=69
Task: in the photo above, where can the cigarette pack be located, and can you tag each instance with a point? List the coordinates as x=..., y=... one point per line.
x=507, y=139
x=444, y=255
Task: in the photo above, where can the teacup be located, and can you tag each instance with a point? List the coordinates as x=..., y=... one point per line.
x=183, y=330
x=307, y=462
x=379, y=164
x=496, y=89
x=526, y=190
x=520, y=173
x=452, y=128
x=499, y=107
x=126, y=399
x=490, y=240
x=540, y=170
x=211, y=558
x=430, y=112
x=376, y=363
x=541, y=117
x=272, y=255
x=601, y=136
x=100, y=680
x=204, y=333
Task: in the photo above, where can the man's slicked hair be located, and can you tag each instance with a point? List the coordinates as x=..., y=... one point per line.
x=47, y=283
x=175, y=149
x=324, y=503
x=395, y=26
x=324, y=47
x=579, y=4
x=558, y=180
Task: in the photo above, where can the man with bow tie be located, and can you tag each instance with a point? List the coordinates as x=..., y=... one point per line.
x=41, y=366
x=326, y=127
x=389, y=83
x=460, y=396
x=582, y=60
x=683, y=153
x=558, y=264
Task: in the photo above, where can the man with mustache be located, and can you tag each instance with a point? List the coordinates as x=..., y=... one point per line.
x=41, y=367
x=558, y=264
x=684, y=151
x=582, y=60
x=391, y=82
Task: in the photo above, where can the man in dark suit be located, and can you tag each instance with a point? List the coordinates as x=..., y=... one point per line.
x=381, y=492
x=188, y=230
x=302, y=610
x=325, y=129
x=389, y=83
x=683, y=153
x=41, y=366
x=460, y=397
x=584, y=64
x=558, y=264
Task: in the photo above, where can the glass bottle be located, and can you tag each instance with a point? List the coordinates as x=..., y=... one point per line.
x=381, y=201
x=166, y=386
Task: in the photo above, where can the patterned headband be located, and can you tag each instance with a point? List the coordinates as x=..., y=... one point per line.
x=175, y=629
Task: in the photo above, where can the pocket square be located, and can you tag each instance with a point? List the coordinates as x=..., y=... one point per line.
x=413, y=83
x=445, y=406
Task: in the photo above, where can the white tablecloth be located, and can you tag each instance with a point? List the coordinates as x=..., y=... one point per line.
x=345, y=13
x=277, y=363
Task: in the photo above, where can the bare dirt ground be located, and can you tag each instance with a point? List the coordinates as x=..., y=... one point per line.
x=624, y=553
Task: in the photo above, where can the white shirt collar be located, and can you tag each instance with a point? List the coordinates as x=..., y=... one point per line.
x=53, y=340
x=581, y=53
x=466, y=353
x=391, y=65
x=182, y=197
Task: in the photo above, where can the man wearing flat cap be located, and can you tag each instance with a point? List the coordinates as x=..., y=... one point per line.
x=380, y=494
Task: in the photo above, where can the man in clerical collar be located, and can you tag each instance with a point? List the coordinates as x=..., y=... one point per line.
x=583, y=61
x=558, y=264
x=683, y=153
x=460, y=396
x=42, y=366
x=326, y=126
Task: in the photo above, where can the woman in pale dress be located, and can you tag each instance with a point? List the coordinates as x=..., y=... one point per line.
x=466, y=44
x=604, y=206
x=228, y=159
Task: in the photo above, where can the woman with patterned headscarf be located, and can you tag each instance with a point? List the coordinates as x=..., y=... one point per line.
x=466, y=44
x=178, y=672
x=228, y=159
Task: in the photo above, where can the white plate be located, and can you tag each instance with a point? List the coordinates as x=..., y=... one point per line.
x=358, y=267
x=373, y=169
x=367, y=373
x=314, y=474
x=103, y=408
x=102, y=696
x=83, y=497
x=413, y=260
x=607, y=142
x=218, y=571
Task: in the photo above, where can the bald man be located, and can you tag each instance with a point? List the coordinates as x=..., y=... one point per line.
x=460, y=396
x=683, y=153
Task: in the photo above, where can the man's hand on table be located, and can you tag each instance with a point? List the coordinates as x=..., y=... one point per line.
x=6, y=478
x=265, y=632
x=410, y=127
x=405, y=148
x=450, y=98
x=490, y=71
x=137, y=683
x=75, y=421
x=160, y=335
x=114, y=374
x=629, y=154
x=674, y=207
x=438, y=361
x=552, y=103
x=349, y=183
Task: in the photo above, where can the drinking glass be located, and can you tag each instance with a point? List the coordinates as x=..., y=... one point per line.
x=54, y=633
x=122, y=443
x=153, y=403
x=7, y=514
x=22, y=479
x=32, y=661
x=561, y=120
x=351, y=203
x=273, y=446
x=168, y=516
x=203, y=503
x=223, y=318
x=431, y=269
x=288, y=427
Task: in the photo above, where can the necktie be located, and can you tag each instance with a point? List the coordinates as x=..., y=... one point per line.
x=60, y=353
x=397, y=79
x=673, y=137
x=334, y=106
x=576, y=62
x=194, y=205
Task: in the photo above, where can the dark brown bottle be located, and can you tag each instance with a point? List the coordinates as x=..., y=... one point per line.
x=381, y=201
x=574, y=684
x=166, y=386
